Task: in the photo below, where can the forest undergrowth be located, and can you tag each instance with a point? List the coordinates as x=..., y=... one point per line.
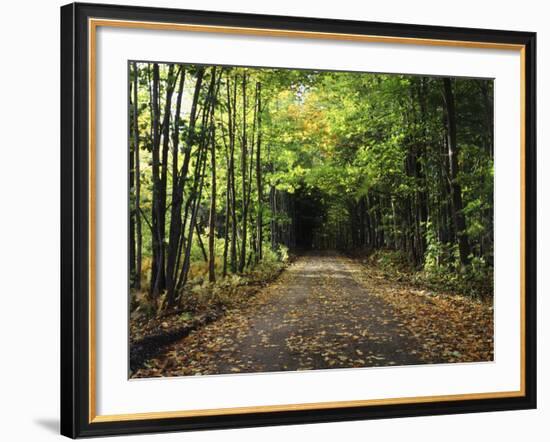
x=474, y=281
x=156, y=324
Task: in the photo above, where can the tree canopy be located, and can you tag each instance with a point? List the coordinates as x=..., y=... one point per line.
x=231, y=167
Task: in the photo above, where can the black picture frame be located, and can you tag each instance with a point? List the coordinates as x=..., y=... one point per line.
x=75, y=220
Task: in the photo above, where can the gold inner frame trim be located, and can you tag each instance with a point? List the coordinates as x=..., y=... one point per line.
x=93, y=24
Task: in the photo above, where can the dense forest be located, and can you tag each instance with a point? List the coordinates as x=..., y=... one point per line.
x=232, y=169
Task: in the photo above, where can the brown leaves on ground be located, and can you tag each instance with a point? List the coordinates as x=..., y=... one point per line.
x=327, y=311
x=201, y=302
x=450, y=328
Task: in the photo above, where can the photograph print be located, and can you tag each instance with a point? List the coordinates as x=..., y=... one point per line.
x=289, y=219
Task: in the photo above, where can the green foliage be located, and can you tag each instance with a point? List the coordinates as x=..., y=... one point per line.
x=440, y=258
x=391, y=260
x=371, y=148
x=475, y=281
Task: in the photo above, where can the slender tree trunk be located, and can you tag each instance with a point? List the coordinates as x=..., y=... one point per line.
x=137, y=185
x=201, y=243
x=226, y=222
x=170, y=86
x=177, y=225
x=227, y=218
x=368, y=220
x=252, y=138
x=205, y=141
x=362, y=235
x=456, y=191
x=489, y=124
x=175, y=232
x=273, y=223
x=232, y=137
x=212, y=219
x=229, y=163
x=132, y=180
x=259, y=184
x=156, y=268
x=244, y=217
x=420, y=174
x=192, y=226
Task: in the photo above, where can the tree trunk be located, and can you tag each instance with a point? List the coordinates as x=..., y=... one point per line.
x=177, y=225
x=420, y=171
x=137, y=185
x=229, y=159
x=206, y=139
x=132, y=181
x=170, y=86
x=175, y=231
x=227, y=215
x=201, y=243
x=233, y=125
x=156, y=268
x=212, y=220
x=456, y=191
x=244, y=218
x=259, y=184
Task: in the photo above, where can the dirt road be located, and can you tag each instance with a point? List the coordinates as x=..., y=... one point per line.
x=314, y=316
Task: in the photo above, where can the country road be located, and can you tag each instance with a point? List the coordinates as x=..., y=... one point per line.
x=316, y=315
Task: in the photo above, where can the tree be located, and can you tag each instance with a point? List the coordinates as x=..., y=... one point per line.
x=259, y=183
x=244, y=153
x=135, y=185
x=456, y=191
x=212, y=217
x=177, y=193
x=261, y=160
x=157, y=227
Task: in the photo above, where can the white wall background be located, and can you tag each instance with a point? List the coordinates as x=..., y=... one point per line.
x=29, y=219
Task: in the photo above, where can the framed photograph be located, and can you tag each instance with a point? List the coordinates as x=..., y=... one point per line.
x=275, y=220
